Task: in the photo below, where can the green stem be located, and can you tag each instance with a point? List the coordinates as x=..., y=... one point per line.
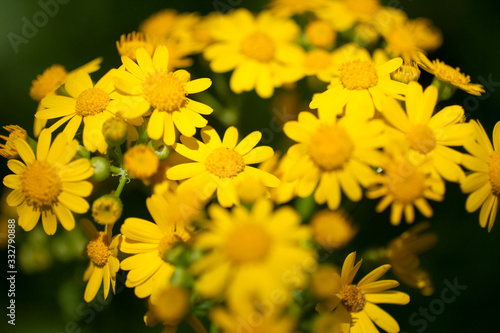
x=115, y=170
x=121, y=185
x=196, y=324
x=119, y=155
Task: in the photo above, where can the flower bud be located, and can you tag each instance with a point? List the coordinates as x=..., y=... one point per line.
x=406, y=73
x=114, y=131
x=101, y=168
x=107, y=209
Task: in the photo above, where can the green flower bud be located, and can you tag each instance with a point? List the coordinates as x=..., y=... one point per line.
x=101, y=168
x=115, y=131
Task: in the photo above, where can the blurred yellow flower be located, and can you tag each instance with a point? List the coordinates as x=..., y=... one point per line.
x=344, y=14
x=141, y=162
x=332, y=229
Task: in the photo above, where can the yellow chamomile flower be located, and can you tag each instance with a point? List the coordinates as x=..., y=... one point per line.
x=219, y=164
x=50, y=185
x=402, y=254
x=252, y=255
x=152, y=85
x=446, y=73
x=362, y=87
x=405, y=185
x=355, y=306
x=261, y=50
x=148, y=242
x=8, y=150
x=483, y=183
x=102, y=251
x=428, y=135
x=92, y=104
x=333, y=154
x=49, y=81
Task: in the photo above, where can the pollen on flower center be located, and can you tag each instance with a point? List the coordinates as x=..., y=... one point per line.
x=98, y=250
x=164, y=91
x=225, y=163
x=358, y=75
x=258, y=46
x=330, y=147
x=494, y=173
x=421, y=138
x=352, y=298
x=49, y=81
x=248, y=243
x=92, y=101
x=167, y=242
x=41, y=184
x=447, y=73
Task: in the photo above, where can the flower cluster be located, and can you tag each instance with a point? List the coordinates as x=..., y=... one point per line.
x=236, y=230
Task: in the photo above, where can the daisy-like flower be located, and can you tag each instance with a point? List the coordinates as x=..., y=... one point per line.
x=430, y=136
x=405, y=186
x=252, y=255
x=290, y=8
x=344, y=14
x=141, y=162
x=362, y=87
x=355, y=306
x=49, y=81
x=219, y=164
x=446, y=73
x=483, y=183
x=320, y=33
x=151, y=83
x=148, y=242
x=130, y=43
x=332, y=155
x=92, y=104
x=102, y=251
x=8, y=150
x=261, y=50
x=50, y=185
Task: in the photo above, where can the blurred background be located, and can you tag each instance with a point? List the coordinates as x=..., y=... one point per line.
x=49, y=292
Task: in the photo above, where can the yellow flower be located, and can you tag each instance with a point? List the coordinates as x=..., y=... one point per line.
x=148, y=242
x=219, y=165
x=107, y=209
x=92, y=104
x=141, y=162
x=428, y=135
x=130, y=43
x=50, y=185
x=362, y=87
x=49, y=81
x=151, y=84
x=102, y=251
x=405, y=185
x=320, y=63
x=483, y=183
x=402, y=253
x=344, y=14
x=168, y=306
x=289, y=8
x=332, y=155
x=332, y=229
x=320, y=33
x=252, y=255
x=446, y=73
x=355, y=305
x=8, y=150
x=261, y=50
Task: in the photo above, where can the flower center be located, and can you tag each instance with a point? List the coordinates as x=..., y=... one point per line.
x=358, y=75
x=225, y=163
x=98, y=250
x=92, y=101
x=449, y=74
x=167, y=242
x=141, y=162
x=421, y=138
x=49, y=81
x=164, y=91
x=320, y=33
x=248, y=243
x=494, y=173
x=41, y=184
x=352, y=298
x=258, y=46
x=8, y=150
x=405, y=183
x=317, y=59
x=330, y=147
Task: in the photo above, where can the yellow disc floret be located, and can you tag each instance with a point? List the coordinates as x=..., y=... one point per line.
x=421, y=138
x=91, y=101
x=141, y=162
x=48, y=82
x=164, y=91
x=225, y=163
x=8, y=150
x=352, y=298
x=248, y=243
x=406, y=187
x=494, y=173
x=258, y=46
x=330, y=147
x=98, y=250
x=358, y=75
x=41, y=184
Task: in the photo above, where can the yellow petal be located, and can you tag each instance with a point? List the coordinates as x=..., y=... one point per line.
x=49, y=222
x=73, y=202
x=64, y=216
x=381, y=318
x=160, y=58
x=156, y=125
x=197, y=85
x=93, y=285
x=24, y=151
x=16, y=166
x=248, y=142
x=185, y=170
x=388, y=297
x=230, y=137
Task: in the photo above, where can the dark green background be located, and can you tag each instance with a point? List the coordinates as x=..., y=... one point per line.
x=84, y=30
